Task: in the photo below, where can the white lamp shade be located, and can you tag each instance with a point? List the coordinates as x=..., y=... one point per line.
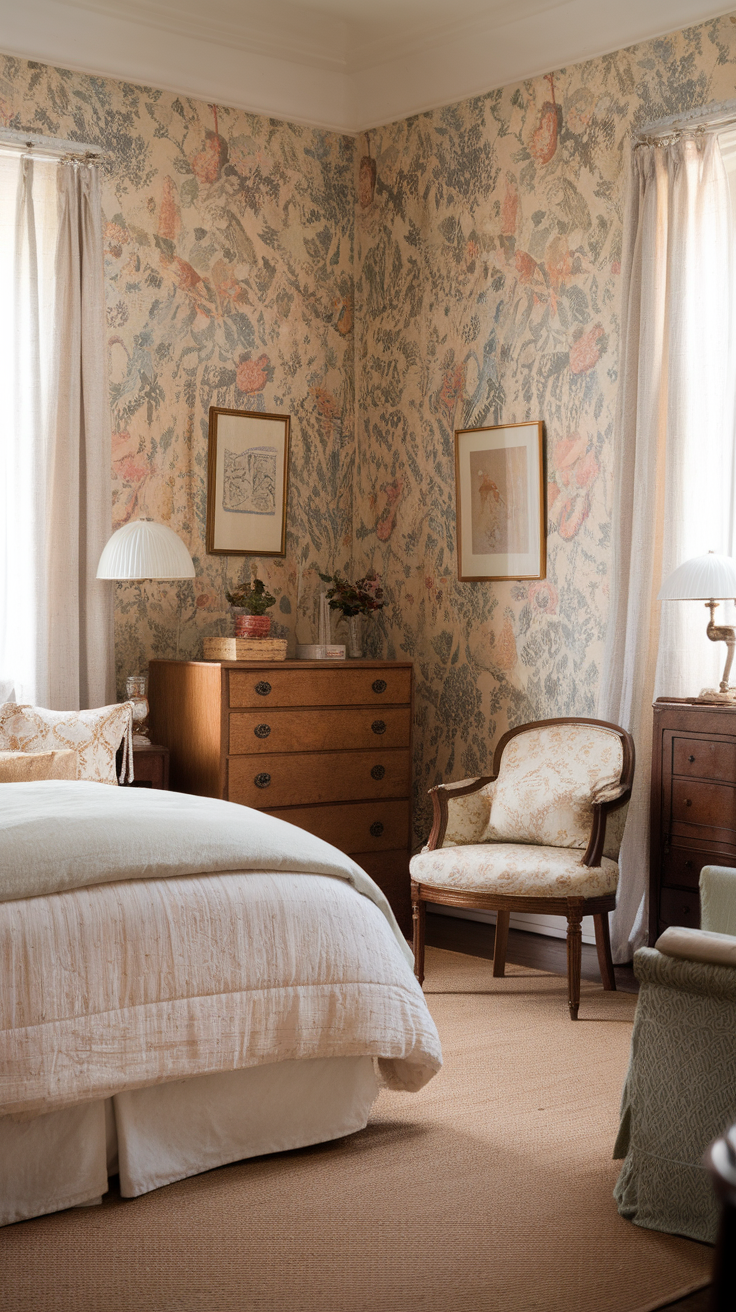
x=700, y=579
x=145, y=550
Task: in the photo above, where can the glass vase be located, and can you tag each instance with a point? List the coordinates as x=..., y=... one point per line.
x=355, y=636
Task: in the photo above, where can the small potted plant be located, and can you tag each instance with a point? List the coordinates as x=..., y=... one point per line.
x=354, y=600
x=255, y=601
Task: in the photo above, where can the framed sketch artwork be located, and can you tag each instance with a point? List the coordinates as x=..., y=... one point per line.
x=499, y=485
x=247, y=483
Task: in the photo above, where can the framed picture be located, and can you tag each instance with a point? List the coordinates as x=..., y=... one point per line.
x=247, y=483
x=499, y=485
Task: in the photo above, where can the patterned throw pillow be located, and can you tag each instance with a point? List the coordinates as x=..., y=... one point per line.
x=547, y=784
x=94, y=735
x=27, y=767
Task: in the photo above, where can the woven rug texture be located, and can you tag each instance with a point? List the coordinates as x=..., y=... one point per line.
x=491, y=1189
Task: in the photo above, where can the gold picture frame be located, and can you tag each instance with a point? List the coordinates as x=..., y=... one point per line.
x=247, y=482
x=500, y=496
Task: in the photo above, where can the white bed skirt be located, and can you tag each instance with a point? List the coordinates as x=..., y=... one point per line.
x=166, y=1132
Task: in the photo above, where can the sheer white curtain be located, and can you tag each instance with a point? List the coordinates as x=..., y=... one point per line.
x=56, y=645
x=674, y=458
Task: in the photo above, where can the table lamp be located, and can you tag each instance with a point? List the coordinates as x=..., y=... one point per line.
x=141, y=550
x=707, y=578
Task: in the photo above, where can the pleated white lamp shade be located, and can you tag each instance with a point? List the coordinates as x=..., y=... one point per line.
x=703, y=578
x=145, y=550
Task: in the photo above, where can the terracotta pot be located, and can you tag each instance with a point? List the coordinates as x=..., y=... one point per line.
x=252, y=626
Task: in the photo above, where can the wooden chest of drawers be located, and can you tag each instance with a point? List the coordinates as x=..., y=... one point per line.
x=326, y=747
x=693, y=810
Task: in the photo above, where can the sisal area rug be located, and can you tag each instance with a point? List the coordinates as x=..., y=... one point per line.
x=489, y=1190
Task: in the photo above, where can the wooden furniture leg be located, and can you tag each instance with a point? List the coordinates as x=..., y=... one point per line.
x=603, y=948
x=574, y=953
x=500, y=943
x=419, y=914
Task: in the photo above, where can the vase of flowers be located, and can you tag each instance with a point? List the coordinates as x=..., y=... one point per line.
x=254, y=600
x=354, y=600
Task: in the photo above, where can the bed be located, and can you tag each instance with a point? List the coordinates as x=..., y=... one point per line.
x=185, y=983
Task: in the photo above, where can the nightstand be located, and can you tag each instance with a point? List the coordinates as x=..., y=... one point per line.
x=693, y=807
x=151, y=766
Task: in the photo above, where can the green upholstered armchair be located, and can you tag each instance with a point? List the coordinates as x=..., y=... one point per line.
x=680, y=1091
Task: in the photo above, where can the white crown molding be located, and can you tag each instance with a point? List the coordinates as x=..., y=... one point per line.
x=305, y=78
x=108, y=46
x=531, y=46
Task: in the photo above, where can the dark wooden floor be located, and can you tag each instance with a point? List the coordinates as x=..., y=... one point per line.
x=540, y=953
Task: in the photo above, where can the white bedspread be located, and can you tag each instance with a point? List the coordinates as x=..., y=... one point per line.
x=141, y=979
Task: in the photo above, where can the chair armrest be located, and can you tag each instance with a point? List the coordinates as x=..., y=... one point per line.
x=442, y=795
x=601, y=812
x=653, y=968
x=698, y=945
x=718, y=899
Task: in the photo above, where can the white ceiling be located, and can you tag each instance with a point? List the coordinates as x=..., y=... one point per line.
x=341, y=64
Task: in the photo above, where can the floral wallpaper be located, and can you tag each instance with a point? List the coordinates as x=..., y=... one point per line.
x=455, y=269
x=488, y=247
x=229, y=281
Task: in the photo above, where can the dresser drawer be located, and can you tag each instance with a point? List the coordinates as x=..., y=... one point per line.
x=331, y=729
x=315, y=777
x=354, y=826
x=679, y=908
x=703, y=758
x=319, y=687
x=682, y=865
x=696, y=802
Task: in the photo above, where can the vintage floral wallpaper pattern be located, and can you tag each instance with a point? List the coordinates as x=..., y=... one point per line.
x=455, y=269
x=229, y=280
x=487, y=290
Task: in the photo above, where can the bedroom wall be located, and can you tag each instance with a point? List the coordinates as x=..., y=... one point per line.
x=229, y=255
x=487, y=290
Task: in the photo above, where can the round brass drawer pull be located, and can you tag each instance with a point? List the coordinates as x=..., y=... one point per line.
x=691, y=758
x=262, y=780
x=378, y=772
x=262, y=730
x=376, y=829
x=263, y=688
x=688, y=801
x=379, y=685
x=379, y=726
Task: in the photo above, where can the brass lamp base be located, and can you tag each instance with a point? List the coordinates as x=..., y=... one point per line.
x=720, y=633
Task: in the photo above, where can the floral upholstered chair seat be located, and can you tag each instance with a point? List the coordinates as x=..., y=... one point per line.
x=515, y=868
x=541, y=834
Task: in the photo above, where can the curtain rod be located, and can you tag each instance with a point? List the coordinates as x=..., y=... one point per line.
x=716, y=116
x=48, y=147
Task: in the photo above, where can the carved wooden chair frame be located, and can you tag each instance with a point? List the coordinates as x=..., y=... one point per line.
x=573, y=908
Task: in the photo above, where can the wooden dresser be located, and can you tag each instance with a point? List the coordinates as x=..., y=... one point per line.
x=693, y=809
x=324, y=746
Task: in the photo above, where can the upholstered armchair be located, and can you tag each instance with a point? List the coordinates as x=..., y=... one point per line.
x=541, y=834
x=680, y=1091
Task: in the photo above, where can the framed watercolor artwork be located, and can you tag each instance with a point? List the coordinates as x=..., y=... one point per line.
x=499, y=486
x=247, y=483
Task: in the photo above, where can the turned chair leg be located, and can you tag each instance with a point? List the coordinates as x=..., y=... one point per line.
x=500, y=942
x=418, y=913
x=603, y=948
x=574, y=954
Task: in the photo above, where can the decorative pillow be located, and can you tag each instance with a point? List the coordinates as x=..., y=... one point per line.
x=94, y=735
x=26, y=767
x=548, y=782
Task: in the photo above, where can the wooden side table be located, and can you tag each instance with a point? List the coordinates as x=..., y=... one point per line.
x=150, y=766
x=693, y=805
